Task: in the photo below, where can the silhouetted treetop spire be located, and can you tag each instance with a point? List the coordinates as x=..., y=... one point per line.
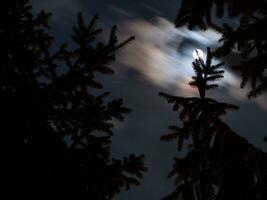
x=205, y=74
x=219, y=164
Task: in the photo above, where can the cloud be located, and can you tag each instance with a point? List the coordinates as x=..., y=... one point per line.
x=151, y=8
x=120, y=11
x=155, y=55
x=163, y=54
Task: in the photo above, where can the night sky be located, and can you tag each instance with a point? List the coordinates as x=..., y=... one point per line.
x=158, y=60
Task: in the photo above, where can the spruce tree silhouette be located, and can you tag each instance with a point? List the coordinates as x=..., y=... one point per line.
x=219, y=164
x=55, y=130
x=249, y=37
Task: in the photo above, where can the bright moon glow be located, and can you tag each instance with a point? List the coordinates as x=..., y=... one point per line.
x=198, y=53
x=164, y=65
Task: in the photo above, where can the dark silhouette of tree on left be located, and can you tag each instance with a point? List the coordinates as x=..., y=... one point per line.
x=55, y=129
x=219, y=164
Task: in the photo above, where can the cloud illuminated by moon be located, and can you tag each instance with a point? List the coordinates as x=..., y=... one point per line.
x=154, y=52
x=155, y=55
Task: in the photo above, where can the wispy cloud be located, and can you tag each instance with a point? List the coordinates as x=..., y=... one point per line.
x=155, y=52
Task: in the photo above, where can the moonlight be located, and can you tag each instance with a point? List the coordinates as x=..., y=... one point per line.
x=198, y=53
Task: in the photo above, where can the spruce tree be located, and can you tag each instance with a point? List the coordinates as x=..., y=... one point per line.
x=56, y=119
x=219, y=164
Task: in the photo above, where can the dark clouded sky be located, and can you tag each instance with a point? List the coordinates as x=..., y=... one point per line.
x=158, y=60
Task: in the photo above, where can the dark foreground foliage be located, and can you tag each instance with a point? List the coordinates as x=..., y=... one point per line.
x=219, y=164
x=55, y=132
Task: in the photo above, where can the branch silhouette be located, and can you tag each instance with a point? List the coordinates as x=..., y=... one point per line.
x=56, y=130
x=219, y=164
x=248, y=37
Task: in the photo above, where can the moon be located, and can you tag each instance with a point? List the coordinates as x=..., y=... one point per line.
x=198, y=53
